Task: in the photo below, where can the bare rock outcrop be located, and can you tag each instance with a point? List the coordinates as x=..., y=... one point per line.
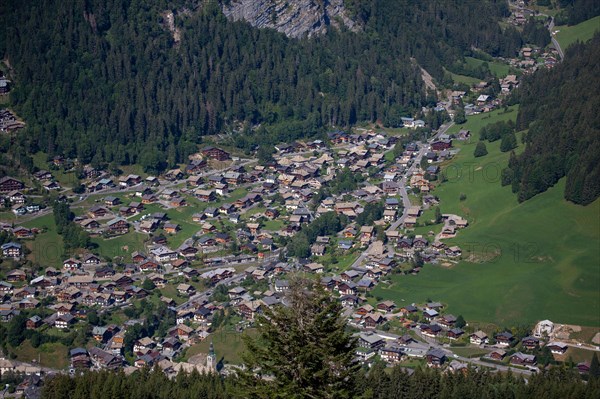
x=294, y=18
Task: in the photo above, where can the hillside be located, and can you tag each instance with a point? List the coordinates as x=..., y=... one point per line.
x=128, y=84
x=584, y=31
x=522, y=261
x=559, y=107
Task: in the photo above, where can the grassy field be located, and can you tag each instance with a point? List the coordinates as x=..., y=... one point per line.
x=469, y=352
x=7, y=216
x=584, y=31
x=228, y=346
x=499, y=69
x=54, y=355
x=273, y=225
x=529, y=261
x=577, y=355
x=47, y=248
x=464, y=79
x=121, y=246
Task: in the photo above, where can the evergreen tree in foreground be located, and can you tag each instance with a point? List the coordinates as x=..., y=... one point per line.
x=302, y=350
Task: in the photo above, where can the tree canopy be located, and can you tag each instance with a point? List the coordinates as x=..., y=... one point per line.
x=112, y=85
x=302, y=349
x=559, y=109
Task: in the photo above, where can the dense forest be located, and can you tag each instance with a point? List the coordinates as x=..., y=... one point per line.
x=106, y=81
x=560, y=109
x=574, y=11
x=377, y=384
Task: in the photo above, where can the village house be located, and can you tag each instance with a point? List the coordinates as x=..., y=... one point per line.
x=16, y=197
x=186, y=289
x=557, y=348
x=372, y=320
x=435, y=358
x=249, y=309
x=497, y=354
x=8, y=184
x=97, y=211
x=71, y=264
x=118, y=226
x=386, y=306
x=504, y=339
x=22, y=232
x=12, y=250
x=104, y=360
x=522, y=359
x=215, y=153
x=530, y=342
x=431, y=330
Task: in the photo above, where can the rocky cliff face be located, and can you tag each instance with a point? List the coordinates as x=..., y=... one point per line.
x=294, y=18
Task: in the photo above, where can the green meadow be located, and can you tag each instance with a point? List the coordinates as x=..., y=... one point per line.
x=47, y=248
x=499, y=69
x=464, y=79
x=521, y=262
x=583, y=31
x=228, y=346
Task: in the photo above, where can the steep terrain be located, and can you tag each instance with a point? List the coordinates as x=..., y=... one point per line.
x=129, y=84
x=298, y=18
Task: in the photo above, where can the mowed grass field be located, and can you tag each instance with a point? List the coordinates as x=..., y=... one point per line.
x=499, y=69
x=54, y=355
x=464, y=79
x=584, y=31
x=47, y=248
x=228, y=346
x=530, y=261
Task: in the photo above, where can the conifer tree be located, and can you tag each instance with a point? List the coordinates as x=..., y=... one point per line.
x=302, y=349
x=480, y=150
x=594, y=367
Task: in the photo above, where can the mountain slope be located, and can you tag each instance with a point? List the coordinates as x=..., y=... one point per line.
x=142, y=81
x=559, y=107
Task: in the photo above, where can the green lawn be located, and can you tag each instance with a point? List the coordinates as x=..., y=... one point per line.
x=170, y=291
x=529, y=261
x=396, y=131
x=272, y=225
x=47, y=248
x=476, y=122
x=343, y=260
x=120, y=246
x=134, y=170
x=464, y=79
x=499, y=69
x=7, y=216
x=469, y=352
x=584, y=31
x=228, y=346
x=54, y=355
x=578, y=355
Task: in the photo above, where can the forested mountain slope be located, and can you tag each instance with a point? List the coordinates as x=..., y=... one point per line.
x=106, y=81
x=560, y=108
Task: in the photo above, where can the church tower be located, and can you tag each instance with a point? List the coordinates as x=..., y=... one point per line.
x=211, y=359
